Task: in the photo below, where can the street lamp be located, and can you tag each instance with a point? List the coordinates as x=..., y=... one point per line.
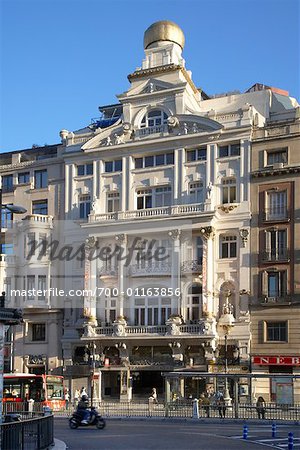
x=226, y=322
x=8, y=316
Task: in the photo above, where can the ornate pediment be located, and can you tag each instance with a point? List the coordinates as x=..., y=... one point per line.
x=148, y=87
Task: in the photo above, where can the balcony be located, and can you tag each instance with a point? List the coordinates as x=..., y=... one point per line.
x=150, y=269
x=111, y=271
x=275, y=255
x=36, y=219
x=151, y=330
x=192, y=266
x=275, y=300
x=276, y=214
x=162, y=211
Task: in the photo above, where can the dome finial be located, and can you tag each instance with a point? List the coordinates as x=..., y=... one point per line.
x=164, y=30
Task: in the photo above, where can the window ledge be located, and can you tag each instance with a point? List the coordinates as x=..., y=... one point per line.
x=194, y=163
x=107, y=174
x=45, y=189
x=82, y=177
x=152, y=169
x=227, y=158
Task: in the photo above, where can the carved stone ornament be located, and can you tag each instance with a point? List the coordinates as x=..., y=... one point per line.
x=244, y=236
x=227, y=208
x=89, y=330
x=173, y=122
x=119, y=326
x=174, y=234
x=207, y=232
x=127, y=128
x=120, y=238
x=90, y=242
x=244, y=292
x=118, y=139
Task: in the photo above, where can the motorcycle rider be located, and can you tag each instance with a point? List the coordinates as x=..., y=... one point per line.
x=82, y=408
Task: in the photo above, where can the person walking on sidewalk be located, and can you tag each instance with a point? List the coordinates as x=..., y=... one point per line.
x=261, y=408
x=221, y=407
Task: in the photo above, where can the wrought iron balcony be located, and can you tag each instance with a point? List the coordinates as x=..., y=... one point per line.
x=109, y=271
x=191, y=266
x=276, y=214
x=281, y=254
x=157, y=268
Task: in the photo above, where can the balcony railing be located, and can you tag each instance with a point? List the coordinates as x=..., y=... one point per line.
x=276, y=298
x=275, y=255
x=193, y=266
x=111, y=271
x=275, y=214
x=158, y=129
x=39, y=218
x=174, y=210
x=154, y=330
x=150, y=269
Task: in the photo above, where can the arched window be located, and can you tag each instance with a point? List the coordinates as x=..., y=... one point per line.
x=194, y=303
x=154, y=118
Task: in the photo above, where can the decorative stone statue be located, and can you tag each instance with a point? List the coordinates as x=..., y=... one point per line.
x=118, y=139
x=108, y=141
x=209, y=190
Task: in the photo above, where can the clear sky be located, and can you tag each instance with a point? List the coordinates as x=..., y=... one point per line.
x=61, y=59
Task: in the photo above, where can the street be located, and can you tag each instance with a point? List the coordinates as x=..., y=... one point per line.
x=179, y=435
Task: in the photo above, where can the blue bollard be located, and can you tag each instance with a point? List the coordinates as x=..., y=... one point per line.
x=245, y=432
x=291, y=441
x=274, y=430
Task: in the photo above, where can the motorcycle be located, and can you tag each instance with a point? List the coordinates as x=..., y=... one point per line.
x=94, y=419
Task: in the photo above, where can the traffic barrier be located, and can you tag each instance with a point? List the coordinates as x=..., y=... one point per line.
x=245, y=432
x=274, y=430
x=291, y=441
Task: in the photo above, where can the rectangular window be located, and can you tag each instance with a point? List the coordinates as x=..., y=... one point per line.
x=276, y=331
x=23, y=178
x=40, y=179
x=6, y=218
x=276, y=205
x=277, y=157
x=277, y=284
x=275, y=245
x=196, y=192
x=30, y=287
x=38, y=331
x=84, y=206
x=144, y=199
x=154, y=160
x=198, y=154
x=229, y=150
x=163, y=196
x=41, y=286
x=229, y=190
x=85, y=169
x=7, y=183
x=228, y=246
x=7, y=249
x=113, y=202
x=113, y=166
x=40, y=207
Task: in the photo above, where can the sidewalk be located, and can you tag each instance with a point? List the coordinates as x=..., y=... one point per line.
x=59, y=445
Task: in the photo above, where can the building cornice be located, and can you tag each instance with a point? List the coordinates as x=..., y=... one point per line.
x=275, y=172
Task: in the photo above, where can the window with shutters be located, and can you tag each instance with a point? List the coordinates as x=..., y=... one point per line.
x=275, y=245
x=276, y=205
x=274, y=284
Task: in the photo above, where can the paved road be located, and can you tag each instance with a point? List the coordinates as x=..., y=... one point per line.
x=170, y=435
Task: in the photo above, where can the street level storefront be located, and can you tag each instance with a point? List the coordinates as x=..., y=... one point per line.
x=281, y=388
x=255, y=381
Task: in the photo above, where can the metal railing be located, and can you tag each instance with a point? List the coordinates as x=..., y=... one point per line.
x=29, y=434
x=281, y=254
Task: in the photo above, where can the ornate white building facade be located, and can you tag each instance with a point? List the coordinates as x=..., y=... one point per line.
x=164, y=173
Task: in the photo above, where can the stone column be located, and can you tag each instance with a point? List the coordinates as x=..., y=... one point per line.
x=90, y=283
x=174, y=235
x=121, y=240
x=207, y=234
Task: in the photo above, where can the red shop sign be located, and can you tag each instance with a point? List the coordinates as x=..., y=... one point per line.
x=276, y=360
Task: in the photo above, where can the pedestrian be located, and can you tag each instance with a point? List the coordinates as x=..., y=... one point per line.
x=83, y=392
x=67, y=398
x=154, y=396
x=261, y=408
x=221, y=406
x=204, y=403
x=76, y=397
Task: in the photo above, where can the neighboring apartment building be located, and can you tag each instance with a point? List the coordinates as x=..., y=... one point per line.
x=275, y=244
x=163, y=177
x=33, y=179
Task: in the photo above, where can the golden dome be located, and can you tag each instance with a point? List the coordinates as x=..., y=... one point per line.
x=164, y=30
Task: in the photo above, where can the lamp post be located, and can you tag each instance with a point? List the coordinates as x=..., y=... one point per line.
x=226, y=323
x=8, y=316
x=92, y=366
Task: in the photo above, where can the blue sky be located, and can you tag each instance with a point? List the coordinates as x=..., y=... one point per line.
x=61, y=59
